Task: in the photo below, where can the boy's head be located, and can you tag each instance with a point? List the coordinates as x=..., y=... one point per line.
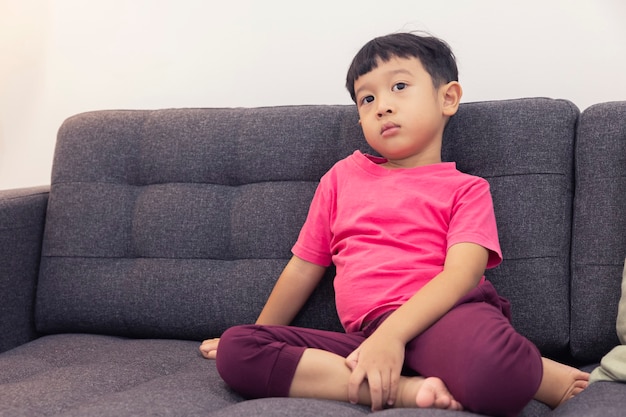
x=434, y=54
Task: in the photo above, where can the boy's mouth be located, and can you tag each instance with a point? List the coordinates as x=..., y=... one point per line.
x=389, y=129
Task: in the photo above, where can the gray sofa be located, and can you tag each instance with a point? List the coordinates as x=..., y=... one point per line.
x=165, y=227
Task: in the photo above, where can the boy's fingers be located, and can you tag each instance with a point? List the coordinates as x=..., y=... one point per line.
x=352, y=360
x=383, y=389
x=393, y=389
x=377, y=390
x=354, y=383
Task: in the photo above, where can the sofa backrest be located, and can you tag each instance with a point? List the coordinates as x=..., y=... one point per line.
x=599, y=230
x=525, y=148
x=176, y=223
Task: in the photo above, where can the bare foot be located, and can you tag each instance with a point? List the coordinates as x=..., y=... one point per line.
x=426, y=393
x=560, y=383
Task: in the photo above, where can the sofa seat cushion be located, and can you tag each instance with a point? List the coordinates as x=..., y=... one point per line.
x=77, y=374
x=90, y=375
x=600, y=399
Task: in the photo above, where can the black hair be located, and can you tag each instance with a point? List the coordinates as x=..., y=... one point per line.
x=435, y=55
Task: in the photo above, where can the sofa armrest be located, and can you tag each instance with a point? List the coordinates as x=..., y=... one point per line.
x=22, y=218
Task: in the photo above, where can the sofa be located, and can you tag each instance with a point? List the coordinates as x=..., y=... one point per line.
x=161, y=228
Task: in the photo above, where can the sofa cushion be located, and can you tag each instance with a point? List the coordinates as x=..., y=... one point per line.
x=600, y=399
x=599, y=230
x=22, y=219
x=176, y=223
x=89, y=375
x=524, y=148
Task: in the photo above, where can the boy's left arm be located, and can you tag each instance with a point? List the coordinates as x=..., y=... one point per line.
x=380, y=358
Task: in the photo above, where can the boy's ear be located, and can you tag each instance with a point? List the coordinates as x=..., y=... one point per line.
x=452, y=93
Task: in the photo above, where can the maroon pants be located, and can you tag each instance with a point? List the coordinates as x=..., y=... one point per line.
x=487, y=366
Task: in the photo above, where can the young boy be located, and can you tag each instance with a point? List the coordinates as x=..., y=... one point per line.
x=410, y=237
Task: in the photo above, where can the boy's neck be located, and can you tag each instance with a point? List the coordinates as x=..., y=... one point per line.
x=400, y=165
x=429, y=157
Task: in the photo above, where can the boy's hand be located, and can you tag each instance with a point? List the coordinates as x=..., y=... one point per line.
x=379, y=361
x=208, y=348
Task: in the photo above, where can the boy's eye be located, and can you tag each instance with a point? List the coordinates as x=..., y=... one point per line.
x=399, y=86
x=367, y=99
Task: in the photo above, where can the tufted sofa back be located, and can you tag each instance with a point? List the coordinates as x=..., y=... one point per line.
x=176, y=223
x=599, y=229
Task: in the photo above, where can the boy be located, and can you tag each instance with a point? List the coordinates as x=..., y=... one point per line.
x=410, y=237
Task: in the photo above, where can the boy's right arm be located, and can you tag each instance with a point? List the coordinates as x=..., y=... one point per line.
x=293, y=288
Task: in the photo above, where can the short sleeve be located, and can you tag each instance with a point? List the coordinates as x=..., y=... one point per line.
x=473, y=220
x=314, y=240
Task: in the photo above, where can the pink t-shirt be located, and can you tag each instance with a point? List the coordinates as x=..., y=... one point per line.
x=388, y=231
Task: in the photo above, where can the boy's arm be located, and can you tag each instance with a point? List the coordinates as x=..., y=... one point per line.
x=463, y=269
x=293, y=288
x=380, y=358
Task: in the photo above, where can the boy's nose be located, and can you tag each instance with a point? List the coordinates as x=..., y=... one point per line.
x=384, y=110
x=384, y=107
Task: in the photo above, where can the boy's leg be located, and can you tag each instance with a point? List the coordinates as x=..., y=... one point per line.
x=260, y=361
x=485, y=363
x=487, y=366
x=278, y=361
x=321, y=374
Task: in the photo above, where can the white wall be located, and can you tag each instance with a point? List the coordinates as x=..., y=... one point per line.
x=61, y=57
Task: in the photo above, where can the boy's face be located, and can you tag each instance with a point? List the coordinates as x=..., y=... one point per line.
x=402, y=114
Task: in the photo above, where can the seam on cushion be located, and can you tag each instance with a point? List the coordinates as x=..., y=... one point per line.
x=24, y=197
x=254, y=259
x=126, y=184
x=30, y=226
x=172, y=258
x=534, y=257
x=526, y=175
x=592, y=178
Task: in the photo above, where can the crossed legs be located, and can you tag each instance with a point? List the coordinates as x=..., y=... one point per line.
x=487, y=366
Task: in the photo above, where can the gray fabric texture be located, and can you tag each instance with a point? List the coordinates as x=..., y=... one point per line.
x=599, y=229
x=524, y=149
x=22, y=217
x=107, y=376
x=602, y=399
x=89, y=375
x=194, y=212
x=164, y=227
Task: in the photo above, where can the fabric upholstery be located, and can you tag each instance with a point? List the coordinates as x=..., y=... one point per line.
x=165, y=227
x=602, y=399
x=194, y=212
x=105, y=376
x=89, y=375
x=22, y=217
x=599, y=230
x=524, y=149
